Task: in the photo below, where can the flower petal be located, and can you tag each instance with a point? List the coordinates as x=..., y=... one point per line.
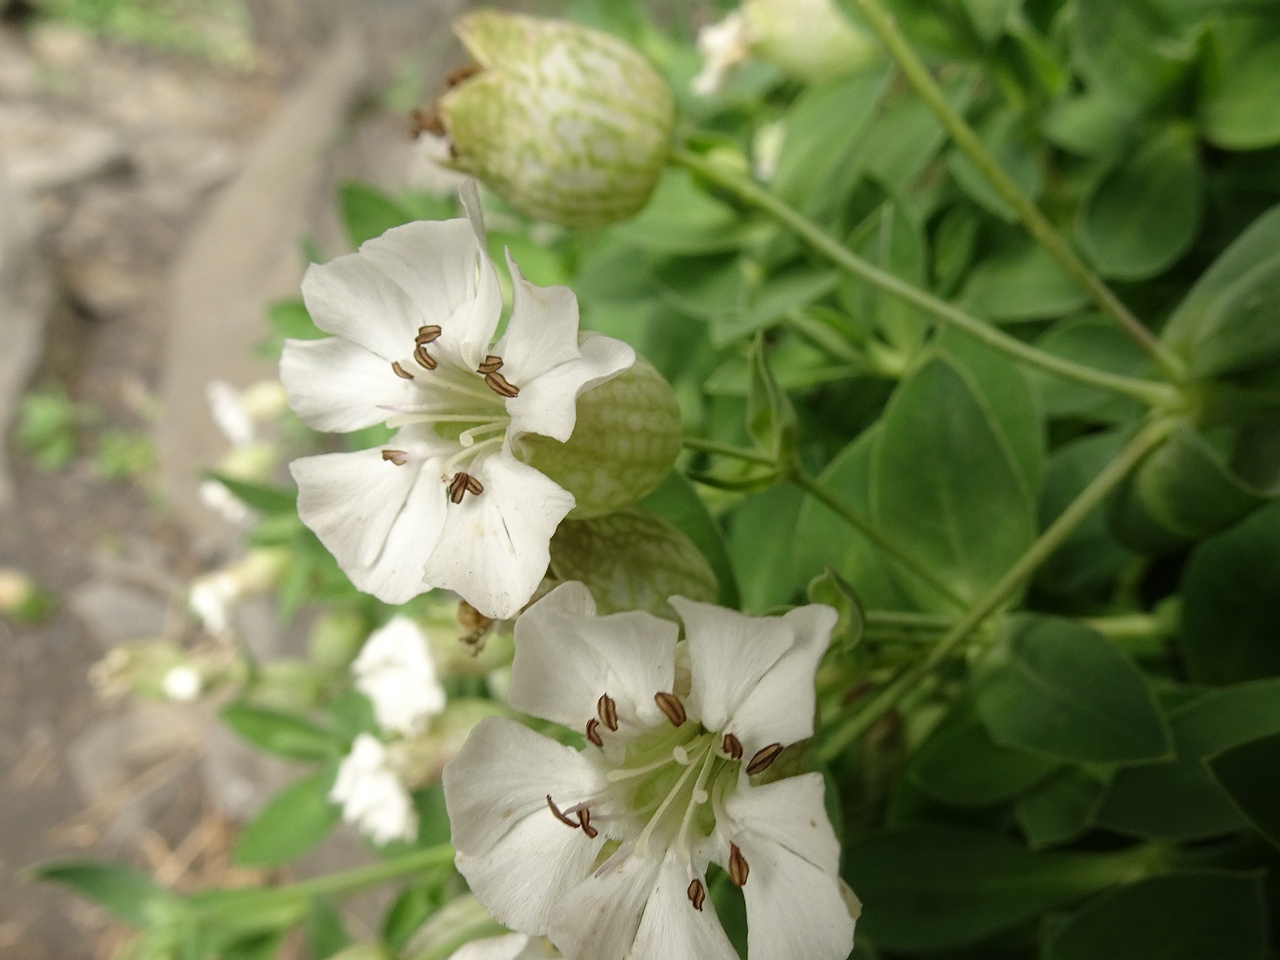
x=599, y=917
x=566, y=658
x=495, y=546
x=728, y=653
x=780, y=708
x=509, y=946
x=337, y=386
x=380, y=521
x=542, y=332
x=444, y=268
x=671, y=927
x=351, y=298
x=794, y=904
x=548, y=403
x=517, y=857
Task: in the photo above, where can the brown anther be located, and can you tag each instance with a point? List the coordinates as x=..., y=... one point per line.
x=428, y=334
x=607, y=710
x=499, y=385
x=461, y=485
x=492, y=364
x=425, y=359
x=398, y=457
x=763, y=758
x=400, y=371
x=738, y=866
x=732, y=746
x=584, y=820
x=455, y=77
x=697, y=894
x=568, y=822
x=670, y=705
x=593, y=732
x=422, y=122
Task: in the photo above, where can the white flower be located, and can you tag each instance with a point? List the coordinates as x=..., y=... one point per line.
x=371, y=794
x=394, y=670
x=182, y=684
x=605, y=851
x=723, y=46
x=446, y=503
x=211, y=598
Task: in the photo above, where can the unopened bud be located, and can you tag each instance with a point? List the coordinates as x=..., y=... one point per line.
x=566, y=123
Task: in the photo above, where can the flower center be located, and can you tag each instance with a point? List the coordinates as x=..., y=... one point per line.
x=465, y=406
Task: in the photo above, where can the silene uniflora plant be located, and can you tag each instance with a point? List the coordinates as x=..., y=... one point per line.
x=817, y=469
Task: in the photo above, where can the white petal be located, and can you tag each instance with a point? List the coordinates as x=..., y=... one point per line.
x=542, y=332
x=599, y=918
x=548, y=404
x=517, y=857
x=380, y=521
x=790, y=813
x=336, y=386
x=507, y=947
x=395, y=671
x=566, y=659
x=495, y=546
x=672, y=928
x=781, y=706
x=728, y=653
x=445, y=270
x=351, y=298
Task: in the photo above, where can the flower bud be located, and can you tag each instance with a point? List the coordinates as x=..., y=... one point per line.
x=566, y=123
x=627, y=436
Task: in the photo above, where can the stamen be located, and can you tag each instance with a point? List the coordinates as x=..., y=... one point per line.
x=562, y=818
x=607, y=709
x=584, y=819
x=763, y=758
x=492, y=364
x=468, y=454
x=499, y=385
x=697, y=894
x=732, y=746
x=670, y=705
x=593, y=732
x=425, y=359
x=427, y=334
x=738, y=866
x=400, y=371
x=398, y=457
x=468, y=437
x=461, y=485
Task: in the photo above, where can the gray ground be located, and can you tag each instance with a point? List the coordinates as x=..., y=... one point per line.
x=149, y=205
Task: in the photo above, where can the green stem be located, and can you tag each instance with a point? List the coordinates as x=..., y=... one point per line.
x=727, y=450
x=1077, y=511
x=1037, y=223
x=907, y=620
x=1153, y=394
x=864, y=526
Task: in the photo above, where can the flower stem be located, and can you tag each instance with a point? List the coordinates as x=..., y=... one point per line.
x=1037, y=223
x=1153, y=394
x=1089, y=499
x=864, y=526
x=727, y=450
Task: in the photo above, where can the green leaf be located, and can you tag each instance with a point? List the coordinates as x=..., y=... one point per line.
x=127, y=894
x=1238, y=111
x=1007, y=140
x=290, y=318
x=836, y=592
x=1183, y=916
x=1227, y=324
x=1056, y=687
x=284, y=734
x=781, y=293
x=822, y=538
x=1230, y=605
x=764, y=572
x=681, y=218
x=945, y=486
x=1143, y=214
x=1130, y=50
x=1022, y=282
x=368, y=213
x=408, y=912
x=1250, y=774
x=1060, y=809
x=323, y=929
x=771, y=420
x=990, y=16
x=295, y=820
x=258, y=496
x=930, y=888
x=1095, y=341
x=961, y=765
x=679, y=504
x=1090, y=124
x=632, y=560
